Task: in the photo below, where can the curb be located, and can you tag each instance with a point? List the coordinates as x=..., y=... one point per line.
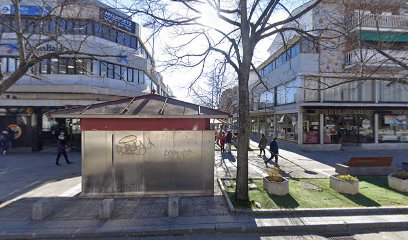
x=319, y=228
x=312, y=212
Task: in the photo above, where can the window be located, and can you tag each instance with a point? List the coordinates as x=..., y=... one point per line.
x=129, y=75
x=11, y=65
x=80, y=66
x=280, y=95
x=96, y=67
x=393, y=128
x=62, y=66
x=71, y=66
x=311, y=125
x=112, y=35
x=44, y=66
x=104, y=69
x=117, y=72
x=110, y=71
x=98, y=29
x=141, y=77
x=133, y=42
x=395, y=92
x=54, y=66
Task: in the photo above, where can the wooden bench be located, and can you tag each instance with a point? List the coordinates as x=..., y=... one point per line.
x=370, y=161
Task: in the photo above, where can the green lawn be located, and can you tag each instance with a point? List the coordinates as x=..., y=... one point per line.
x=374, y=192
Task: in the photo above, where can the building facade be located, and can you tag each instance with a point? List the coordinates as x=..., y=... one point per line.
x=108, y=61
x=347, y=85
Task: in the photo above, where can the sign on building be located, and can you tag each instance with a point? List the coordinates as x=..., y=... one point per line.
x=26, y=10
x=117, y=20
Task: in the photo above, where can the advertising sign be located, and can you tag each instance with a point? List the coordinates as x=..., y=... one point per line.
x=395, y=119
x=26, y=10
x=117, y=20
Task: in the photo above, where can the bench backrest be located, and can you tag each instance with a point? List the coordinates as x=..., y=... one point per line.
x=370, y=161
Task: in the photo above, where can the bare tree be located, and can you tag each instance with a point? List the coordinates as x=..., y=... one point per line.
x=241, y=26
x=217, y=81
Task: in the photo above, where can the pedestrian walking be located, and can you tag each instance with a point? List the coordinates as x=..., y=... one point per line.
x=4, y=141
x=274, y=152
x=228, y=140
x=62, y=150
x=222, y=141
x=262, y=145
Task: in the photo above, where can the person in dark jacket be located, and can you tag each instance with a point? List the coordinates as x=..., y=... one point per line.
x=4, y=141
x=262, y=145
x=274, y=152
x=228, y=140
x=62, y=150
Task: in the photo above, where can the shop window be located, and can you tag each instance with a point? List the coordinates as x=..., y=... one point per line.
x=393, y=128
x=331, y=134
x=287, y=127
x=311, y=125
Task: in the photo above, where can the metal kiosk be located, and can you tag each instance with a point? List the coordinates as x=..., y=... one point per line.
x=146, y=145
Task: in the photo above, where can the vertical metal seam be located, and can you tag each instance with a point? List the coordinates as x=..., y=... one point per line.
x=113, y=164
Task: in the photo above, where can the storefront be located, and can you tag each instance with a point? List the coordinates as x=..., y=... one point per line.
x=354, y=126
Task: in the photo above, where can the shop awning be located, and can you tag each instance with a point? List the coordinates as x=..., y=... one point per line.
x=384, y=36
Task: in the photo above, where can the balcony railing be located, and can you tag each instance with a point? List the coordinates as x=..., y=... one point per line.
x=378, y=21
x=372, y=57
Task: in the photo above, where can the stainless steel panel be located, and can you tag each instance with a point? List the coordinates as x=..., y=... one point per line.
x=207, y=161
x=159, y=162
x=129, y=150
x=158, y=169
x=97, y=162
x=186, y=159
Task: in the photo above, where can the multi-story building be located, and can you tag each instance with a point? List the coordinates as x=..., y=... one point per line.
x=347, y=85
x=111, y=62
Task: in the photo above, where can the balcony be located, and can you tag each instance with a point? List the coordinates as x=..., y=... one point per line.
x=365, y=20
x=371, y=57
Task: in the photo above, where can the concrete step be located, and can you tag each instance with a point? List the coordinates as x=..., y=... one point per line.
x=209, y=224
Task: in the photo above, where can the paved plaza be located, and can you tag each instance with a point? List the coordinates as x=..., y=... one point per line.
x=28, y=177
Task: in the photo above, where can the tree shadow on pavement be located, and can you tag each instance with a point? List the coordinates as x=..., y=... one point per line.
x=228, y=156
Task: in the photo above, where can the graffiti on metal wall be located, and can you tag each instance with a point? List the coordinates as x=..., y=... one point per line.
x=177, y=154
x=132, y=146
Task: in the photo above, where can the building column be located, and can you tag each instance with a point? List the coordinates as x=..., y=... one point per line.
x=275, y=128
x=376, y=91
x=321, y=128
x=258, y=125
x=300, y=127
x=376, y=119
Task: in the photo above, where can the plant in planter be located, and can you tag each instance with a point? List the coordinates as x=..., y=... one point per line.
x=274, y=183
x=344, y=184
x=398, y=181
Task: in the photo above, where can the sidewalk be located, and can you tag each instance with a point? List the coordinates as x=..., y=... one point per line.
x=26, y=178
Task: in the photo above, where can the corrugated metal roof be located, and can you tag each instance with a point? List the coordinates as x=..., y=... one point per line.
x=145, y=106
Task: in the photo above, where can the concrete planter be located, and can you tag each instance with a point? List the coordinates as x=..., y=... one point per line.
x=276, y=188
x=398, y=183
x=342, y=186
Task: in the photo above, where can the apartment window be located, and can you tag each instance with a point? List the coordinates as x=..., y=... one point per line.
x=123, y=73
x=349, y=91
x=141, y=77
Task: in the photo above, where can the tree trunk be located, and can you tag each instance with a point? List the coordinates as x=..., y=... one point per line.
x=241, y=191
